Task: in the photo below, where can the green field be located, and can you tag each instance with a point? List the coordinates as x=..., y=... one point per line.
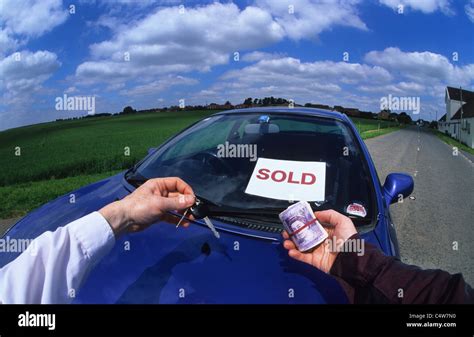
x=86, y=146
x=370, y=127
x=58, y=157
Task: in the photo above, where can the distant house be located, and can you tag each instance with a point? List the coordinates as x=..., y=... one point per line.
x=318, y=106
x=242, y=106
x=393, y=116
x=442, y=123
x=215, y=106
x=384, y=114
x=458, y=122
x=353, y=112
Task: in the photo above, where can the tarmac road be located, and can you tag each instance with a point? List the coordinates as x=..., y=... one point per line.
x=442, y=215
x=5, y=224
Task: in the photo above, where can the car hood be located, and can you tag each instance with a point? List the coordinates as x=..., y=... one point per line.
x=186, y=265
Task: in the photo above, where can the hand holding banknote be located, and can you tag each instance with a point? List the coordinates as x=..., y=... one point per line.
x=339, y=227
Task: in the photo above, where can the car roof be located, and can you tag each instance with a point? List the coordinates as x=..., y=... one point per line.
x=286, y=111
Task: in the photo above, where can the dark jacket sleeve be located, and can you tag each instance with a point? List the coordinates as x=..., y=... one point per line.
x=372, y=277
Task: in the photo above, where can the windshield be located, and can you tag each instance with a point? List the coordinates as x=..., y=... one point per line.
x=217, y=157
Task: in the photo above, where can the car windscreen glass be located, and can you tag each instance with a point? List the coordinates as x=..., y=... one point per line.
x=194, y=156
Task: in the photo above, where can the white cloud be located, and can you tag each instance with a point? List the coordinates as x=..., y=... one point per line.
x=422, y=67
x=24, y=19
x=425, y=6
x=391, y=71
x=400, y=88
x=158, y=86
x=7, y=41
x=292, y=70
x=19, y=79
x=469, y=9
x=70, y=90
x=169, y=41
x=326, y=82
x=258, y=56
x=307, y=18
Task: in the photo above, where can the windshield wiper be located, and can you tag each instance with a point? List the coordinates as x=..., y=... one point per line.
x=205, y=207
x=135, y=178
x=244, y=211
x=210, y=208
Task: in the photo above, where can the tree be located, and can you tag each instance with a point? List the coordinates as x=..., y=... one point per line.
x=434, y=125
x=227, y=103
x=393, y=116
x=404, y=118
x=248, y=101
x=128, y=110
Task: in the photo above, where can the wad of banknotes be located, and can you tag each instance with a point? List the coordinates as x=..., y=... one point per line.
x=302, y=226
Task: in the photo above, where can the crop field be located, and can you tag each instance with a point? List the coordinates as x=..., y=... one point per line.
x=370, y=126
x=43, y=161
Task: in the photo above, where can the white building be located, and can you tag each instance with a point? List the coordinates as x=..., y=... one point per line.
x=459, y=106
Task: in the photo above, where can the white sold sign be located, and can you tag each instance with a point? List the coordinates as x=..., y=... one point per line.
x=288, y=180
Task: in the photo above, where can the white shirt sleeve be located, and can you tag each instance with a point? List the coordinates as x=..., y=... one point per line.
x=53, y=267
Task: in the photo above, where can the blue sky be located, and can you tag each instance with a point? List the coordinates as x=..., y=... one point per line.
x=154, y=53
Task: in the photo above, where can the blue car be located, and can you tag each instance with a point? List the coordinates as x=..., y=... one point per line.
x=247, y=264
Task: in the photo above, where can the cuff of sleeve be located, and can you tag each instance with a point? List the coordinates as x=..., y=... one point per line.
x=95, y=236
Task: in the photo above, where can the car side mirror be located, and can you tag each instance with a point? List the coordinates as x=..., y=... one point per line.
x=397, y=185
x=151, y=149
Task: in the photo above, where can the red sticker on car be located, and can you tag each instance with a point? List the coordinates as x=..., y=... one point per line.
x=356, y=209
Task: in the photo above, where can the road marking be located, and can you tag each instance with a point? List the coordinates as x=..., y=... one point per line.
x=465, y=157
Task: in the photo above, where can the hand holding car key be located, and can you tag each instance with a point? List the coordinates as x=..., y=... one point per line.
x=200, y=210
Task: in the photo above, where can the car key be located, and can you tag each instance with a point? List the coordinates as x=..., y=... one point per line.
x=182, y=218
x=200, y=210
x=211, y=227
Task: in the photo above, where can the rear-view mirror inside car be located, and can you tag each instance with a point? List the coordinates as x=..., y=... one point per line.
x=261, y=128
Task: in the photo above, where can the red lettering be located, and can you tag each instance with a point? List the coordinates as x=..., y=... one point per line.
x=283, y=176
x=312, y=177
x=264, y=174
x=279, y=176
x=290, y=179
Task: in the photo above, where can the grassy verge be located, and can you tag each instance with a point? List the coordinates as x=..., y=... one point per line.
x=19, y=199
x=374, y=133
x=363, y=124
x=453, y=142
